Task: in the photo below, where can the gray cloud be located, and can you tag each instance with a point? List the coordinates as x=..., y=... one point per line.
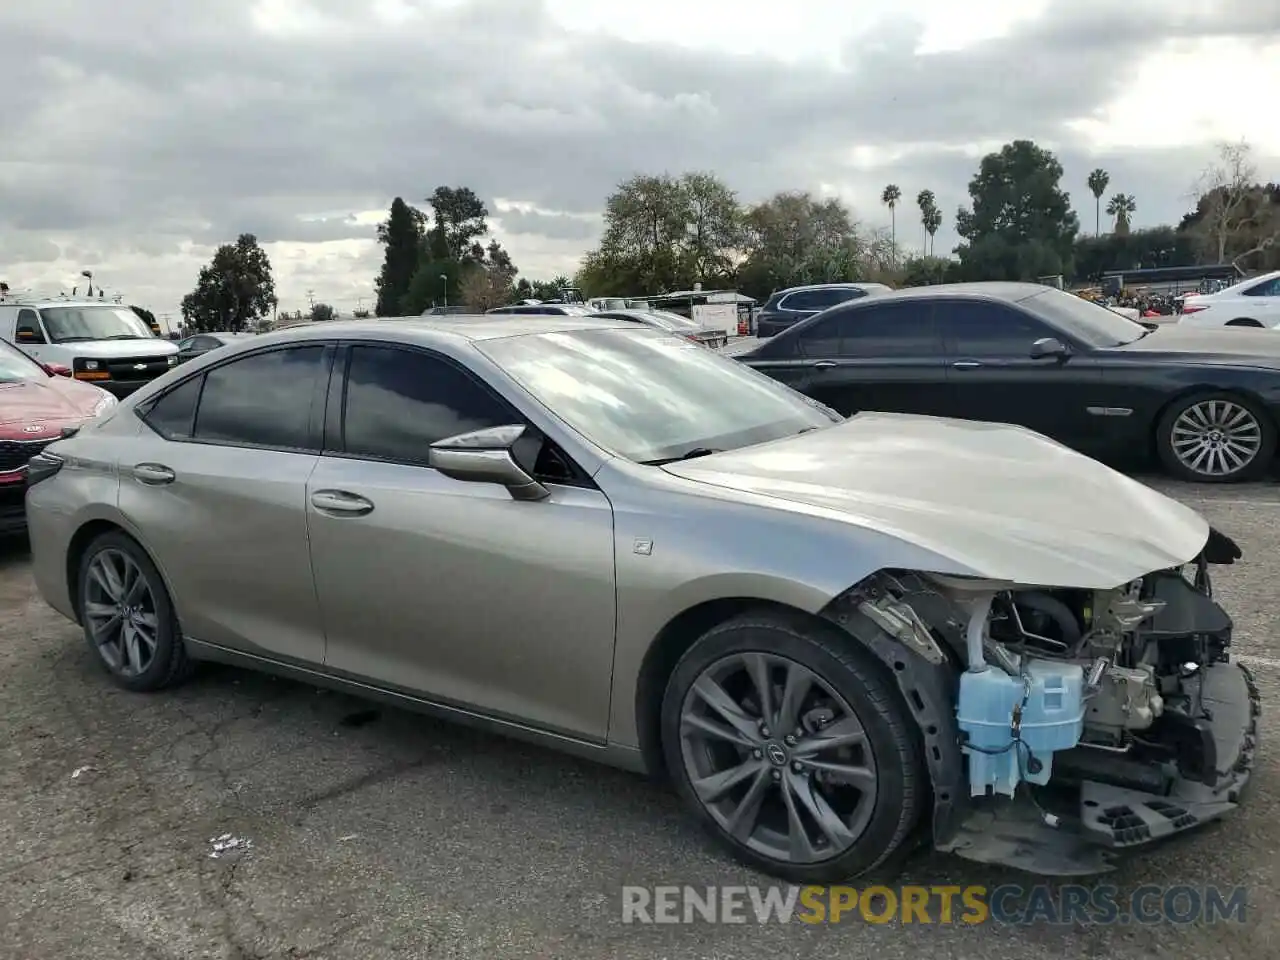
x=155, y=123
x=554, y=226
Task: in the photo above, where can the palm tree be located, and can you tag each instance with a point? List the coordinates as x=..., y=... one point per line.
x=932, y=221
x=926, y=201
x=1098, y=181
x=890, y=197
x=1122, y=207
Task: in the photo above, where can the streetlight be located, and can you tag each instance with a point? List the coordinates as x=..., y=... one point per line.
x=444, y=278
x=88, y=275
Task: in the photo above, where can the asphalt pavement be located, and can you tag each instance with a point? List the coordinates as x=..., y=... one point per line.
x=346, y=830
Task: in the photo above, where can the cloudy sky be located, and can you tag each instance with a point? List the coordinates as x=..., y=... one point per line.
x=137, y=135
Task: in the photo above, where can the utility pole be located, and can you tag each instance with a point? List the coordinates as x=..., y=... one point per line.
x=311, y=298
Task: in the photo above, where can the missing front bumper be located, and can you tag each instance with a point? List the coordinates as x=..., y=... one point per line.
x=1112, y=818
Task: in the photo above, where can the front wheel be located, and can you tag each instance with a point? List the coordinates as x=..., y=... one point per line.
x=1216, y=438
x=793, y=749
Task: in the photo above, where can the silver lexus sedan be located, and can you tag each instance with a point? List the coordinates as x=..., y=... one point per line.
x=835, y=637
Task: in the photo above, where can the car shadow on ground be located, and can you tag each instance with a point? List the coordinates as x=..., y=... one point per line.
x=14, y=551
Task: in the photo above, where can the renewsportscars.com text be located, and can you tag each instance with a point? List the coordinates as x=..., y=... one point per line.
x=1010, y=904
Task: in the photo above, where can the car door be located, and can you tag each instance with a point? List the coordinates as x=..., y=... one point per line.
x=215, y=483
x=886, y=356
x=453, y=590
x=994, y=377
x=1261, y=302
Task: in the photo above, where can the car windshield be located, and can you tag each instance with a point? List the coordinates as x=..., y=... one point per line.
x=648, y=396
x=16, y=366
x=106, y=322
x=1089, y=322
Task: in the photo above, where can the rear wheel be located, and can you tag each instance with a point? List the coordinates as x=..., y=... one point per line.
x=792, y=748
x=127, y=616
x=1215, y=438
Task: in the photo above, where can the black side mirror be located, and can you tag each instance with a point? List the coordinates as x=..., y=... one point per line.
x=1049, y=347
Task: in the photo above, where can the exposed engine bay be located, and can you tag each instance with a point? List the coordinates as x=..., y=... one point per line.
x=1086, y=719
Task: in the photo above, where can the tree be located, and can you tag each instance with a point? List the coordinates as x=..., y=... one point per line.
x=927, y=202
x=401, y=233
x=322, y=312
x=890, y=197
x=233, y=291
x=1098, y=181
x=460, y=218
x=1236, y=217
x=1122, y=207
x=932, y=221
x=1021, y=226
x=713, y=228
x=793, y=238
x=487, y=280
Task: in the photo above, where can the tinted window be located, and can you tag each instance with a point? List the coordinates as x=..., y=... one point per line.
x=1088, y=322
x=1270, y=288
x=187, y=344
x=400, y=402
x=264, y=399
x=173, y=414
x=902, y=329
x=985, y=329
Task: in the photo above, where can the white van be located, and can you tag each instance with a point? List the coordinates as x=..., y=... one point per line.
x=104, y=343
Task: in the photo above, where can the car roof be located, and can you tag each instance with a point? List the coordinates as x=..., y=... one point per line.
x=1010, y=291
x=854, y=285
x=468, y=328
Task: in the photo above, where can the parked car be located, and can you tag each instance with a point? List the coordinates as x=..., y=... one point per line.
x=102, y=343
x=202, y=343
x=1251, y=303
x=1205, y=403
x=670, y=322
x=595, y=536
x=543, y=310
x=455, y=311
x=794, y=304
x=37, y=403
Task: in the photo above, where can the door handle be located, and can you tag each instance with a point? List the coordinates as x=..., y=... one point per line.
x=153, y=474
x=966, y=364
x=825, y=363
x=341, y=502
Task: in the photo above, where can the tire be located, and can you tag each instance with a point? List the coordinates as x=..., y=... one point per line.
x=1259, y=438
x=150, y=613
x=876, y=819
x=1243, y=322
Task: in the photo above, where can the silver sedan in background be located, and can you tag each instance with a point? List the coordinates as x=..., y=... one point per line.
x=604, y=538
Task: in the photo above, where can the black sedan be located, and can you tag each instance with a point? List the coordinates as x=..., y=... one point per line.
x=1205, y=403
x=202, y=343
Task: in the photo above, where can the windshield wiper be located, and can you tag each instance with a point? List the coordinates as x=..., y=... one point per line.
x=74, y=339
x=687, y=455
x=126, y=336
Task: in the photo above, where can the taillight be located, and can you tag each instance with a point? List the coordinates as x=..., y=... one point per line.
x=42, y=466
x=1192, y=308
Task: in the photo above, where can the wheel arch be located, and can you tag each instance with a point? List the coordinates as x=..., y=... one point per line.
x=85, y=534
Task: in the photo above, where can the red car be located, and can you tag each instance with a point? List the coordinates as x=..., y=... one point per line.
x=37, y=403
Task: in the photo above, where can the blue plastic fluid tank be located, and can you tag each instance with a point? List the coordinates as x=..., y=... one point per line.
x=1052, y=720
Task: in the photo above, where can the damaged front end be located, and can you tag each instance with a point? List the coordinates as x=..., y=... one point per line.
x=1062, y=724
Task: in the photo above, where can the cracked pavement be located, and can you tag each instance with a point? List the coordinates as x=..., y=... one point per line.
x=377, y=833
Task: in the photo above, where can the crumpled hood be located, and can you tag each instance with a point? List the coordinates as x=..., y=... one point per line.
x=996, y=500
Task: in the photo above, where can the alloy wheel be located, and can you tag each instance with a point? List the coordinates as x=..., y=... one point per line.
x=777, y=758
x=1216, y=438
x=120, y=611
